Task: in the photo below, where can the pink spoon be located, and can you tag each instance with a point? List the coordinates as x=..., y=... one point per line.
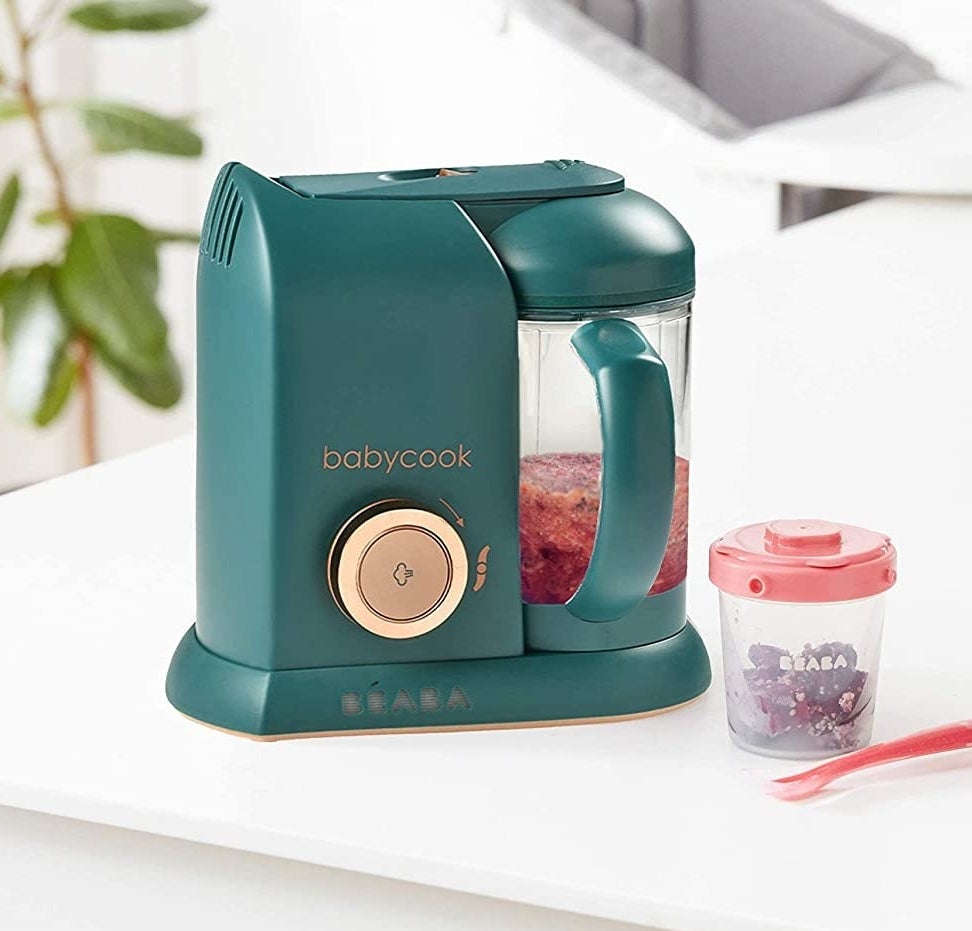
x=803, y=785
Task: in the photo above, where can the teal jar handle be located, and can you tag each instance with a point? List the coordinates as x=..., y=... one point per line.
x=637, y=468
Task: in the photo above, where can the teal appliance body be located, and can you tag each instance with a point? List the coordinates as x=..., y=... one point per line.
x=360, y=432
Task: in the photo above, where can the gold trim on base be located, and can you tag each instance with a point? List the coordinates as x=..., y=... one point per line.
x=508, y=726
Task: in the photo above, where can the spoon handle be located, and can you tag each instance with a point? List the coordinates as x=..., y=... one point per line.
x=955, y=736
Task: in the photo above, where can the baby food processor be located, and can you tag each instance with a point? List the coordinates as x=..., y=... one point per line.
x=442, y=467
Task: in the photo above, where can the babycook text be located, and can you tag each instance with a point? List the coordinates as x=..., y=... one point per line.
x=389, y=460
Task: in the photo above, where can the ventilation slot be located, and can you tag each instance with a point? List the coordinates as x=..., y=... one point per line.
x=222, y=221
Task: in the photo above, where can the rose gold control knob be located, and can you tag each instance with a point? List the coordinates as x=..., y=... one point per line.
x=397, y=569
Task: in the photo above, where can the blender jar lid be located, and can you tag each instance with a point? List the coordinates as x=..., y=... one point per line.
x=573, y=257
x=803, y=561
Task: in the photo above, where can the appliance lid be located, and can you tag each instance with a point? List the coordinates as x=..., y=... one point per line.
x=572, y=258
x=559, y=177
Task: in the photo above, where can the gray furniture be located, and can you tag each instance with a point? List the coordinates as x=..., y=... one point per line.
x=731, y=66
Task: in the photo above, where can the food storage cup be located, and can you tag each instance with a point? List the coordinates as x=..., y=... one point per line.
x=802, y=606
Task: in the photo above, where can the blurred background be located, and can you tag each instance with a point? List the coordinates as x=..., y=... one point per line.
x=742, y=116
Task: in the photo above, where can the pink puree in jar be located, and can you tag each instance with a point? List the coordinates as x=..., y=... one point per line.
x=560, y=494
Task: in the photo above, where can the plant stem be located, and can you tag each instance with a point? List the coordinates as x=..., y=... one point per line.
x=89, y=434
x=33, y=112
x=25, y=87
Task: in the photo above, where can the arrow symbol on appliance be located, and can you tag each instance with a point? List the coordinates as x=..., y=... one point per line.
x=454, y=512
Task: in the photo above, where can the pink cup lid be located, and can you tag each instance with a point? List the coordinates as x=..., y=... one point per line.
x=803, y=561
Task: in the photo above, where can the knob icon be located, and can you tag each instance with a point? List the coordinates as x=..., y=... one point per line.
x=402, y=574
x=481, y=569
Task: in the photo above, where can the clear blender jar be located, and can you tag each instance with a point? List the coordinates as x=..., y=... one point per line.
x=603, y=288
x=561, y=448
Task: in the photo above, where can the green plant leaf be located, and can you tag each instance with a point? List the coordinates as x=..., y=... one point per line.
x=189, y=237
x=8, y=203
x=40, y=364
x=160, y=385
x=116, y=127
x=137, y=15
x=49, y=217
x=11, y=109
x=9, y=279
x=106, y=287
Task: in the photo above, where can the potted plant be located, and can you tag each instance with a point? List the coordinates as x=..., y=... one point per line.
x=92, y=302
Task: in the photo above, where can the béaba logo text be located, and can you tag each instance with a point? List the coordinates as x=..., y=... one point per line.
x=390, y=459
x=377, y=701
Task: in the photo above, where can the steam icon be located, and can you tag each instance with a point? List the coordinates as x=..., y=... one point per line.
x=402, y=573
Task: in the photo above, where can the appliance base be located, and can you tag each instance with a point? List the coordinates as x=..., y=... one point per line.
x=446, y=729
x=532, y=689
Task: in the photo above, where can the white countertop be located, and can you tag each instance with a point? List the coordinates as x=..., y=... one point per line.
x=832, y=378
